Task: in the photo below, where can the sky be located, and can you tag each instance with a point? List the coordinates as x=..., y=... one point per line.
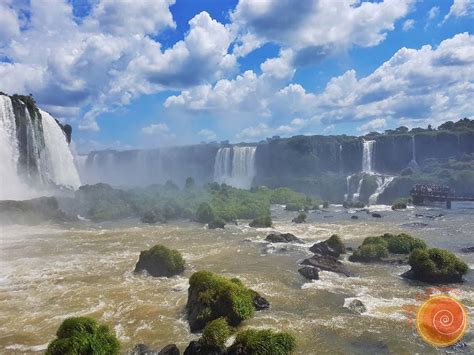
x=148, y=73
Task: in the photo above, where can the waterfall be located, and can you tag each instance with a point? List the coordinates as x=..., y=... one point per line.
x=382, y=182
x=367, y=157
x=413, y=163
x=34, y=153
x=341, y=163
x=348, y=188
x=235, y=166
x=355, y=197
x=60, y=162
x=222, y=165
x=10, y=183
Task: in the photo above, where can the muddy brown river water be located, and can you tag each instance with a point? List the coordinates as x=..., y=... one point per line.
x=51, y=272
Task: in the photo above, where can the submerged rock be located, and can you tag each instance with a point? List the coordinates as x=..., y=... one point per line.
x=357, y=306
x=309, y=272
x=160, y=261
x=327, y=263
x=276, y=237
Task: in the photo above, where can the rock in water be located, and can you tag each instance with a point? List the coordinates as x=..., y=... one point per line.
x=260, y=302
x=142, y=349
x=196, y=348
x=160, y=261
x=468, y=250
x=323, y=249
x=309, y=272
x=170, y=349
x=376, y=215
x=277, y=237
x=327, y=263
x=354, y=217
x=357, y=306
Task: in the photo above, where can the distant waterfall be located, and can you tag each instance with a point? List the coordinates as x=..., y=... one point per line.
x=382, y=182
x=34, y=153
x=368, y=157
x=348, y=188
x=238, y=171
x=413, y=163
x=60, y=164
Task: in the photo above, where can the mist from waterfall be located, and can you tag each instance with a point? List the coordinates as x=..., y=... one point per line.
x=235, y=166
x=368, y=157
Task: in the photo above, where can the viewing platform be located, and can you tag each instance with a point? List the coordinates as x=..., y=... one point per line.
x=437, y=193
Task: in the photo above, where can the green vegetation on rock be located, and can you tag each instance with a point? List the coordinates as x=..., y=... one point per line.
x=83, y=336
x=263, y=342
x=261, y=222
x=335, y=243
x=401, y=203
x=216, y=333
x=211, y=296
x=436, y=265
x=369, y=253
x=300, y=218
x=160, y=261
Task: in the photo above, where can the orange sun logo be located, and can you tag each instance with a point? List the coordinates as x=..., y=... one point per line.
x=441, y=321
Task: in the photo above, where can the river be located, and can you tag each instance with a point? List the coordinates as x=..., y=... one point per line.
x=51, y=272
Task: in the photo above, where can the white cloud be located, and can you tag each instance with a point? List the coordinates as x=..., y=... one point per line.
x=106, y=59
x=434, y=12
x=460, y=8
x=374, y=125
x=427, y=84
x=207, y=134
x=156, y=129
x=315, y=23
x=408, y=25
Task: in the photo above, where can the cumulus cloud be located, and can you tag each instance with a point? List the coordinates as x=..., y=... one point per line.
x=374, y=125
x=460, y=8
x=106, y=59
x=315, y=24
x=156, y=129
x=427, y=85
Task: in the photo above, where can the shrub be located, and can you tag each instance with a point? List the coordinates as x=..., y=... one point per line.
x=261, y=222
x=264, y=342
x=211, y=296
x=83, y=335
x=301, y=218
x=369, y=252
x=436, y=265
x=336, y=243
x=216, y=333
x=160, y=261
x=204, y=213
x=396, y=244
x=294, y=206
x=401, y=204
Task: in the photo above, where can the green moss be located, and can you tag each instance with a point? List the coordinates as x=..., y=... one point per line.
x=216, y=333
x=336, y=243
x=264, y=342
x=369, y=253
x=211, y=296
x=261, y=222
x=437, y=265
x=160, y=261
x=83, y=336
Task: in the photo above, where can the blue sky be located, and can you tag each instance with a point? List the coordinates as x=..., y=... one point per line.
x=168, y=72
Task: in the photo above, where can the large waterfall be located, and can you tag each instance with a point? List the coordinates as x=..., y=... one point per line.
x=235, y=166
x=34, y=153
x=368, y=157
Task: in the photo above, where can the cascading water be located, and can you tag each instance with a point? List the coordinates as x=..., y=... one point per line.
x=10, y=183
x=33, y=151
x=382, y=182
x=61, y=168
x=367, y=157
x=413, y=163
x=348, y=188
x=223, y=165
x=238, y=171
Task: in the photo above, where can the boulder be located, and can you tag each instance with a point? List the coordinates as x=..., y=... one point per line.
x=468, y=250
x=309, y=272
x=260, y=302
x=357, y=306
x=354, y=217
x=276, y=237
x=160, y=261
x=170, y=349
x=376, y=215
x=327, y=263
x=323, y=249
x=195, y=347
